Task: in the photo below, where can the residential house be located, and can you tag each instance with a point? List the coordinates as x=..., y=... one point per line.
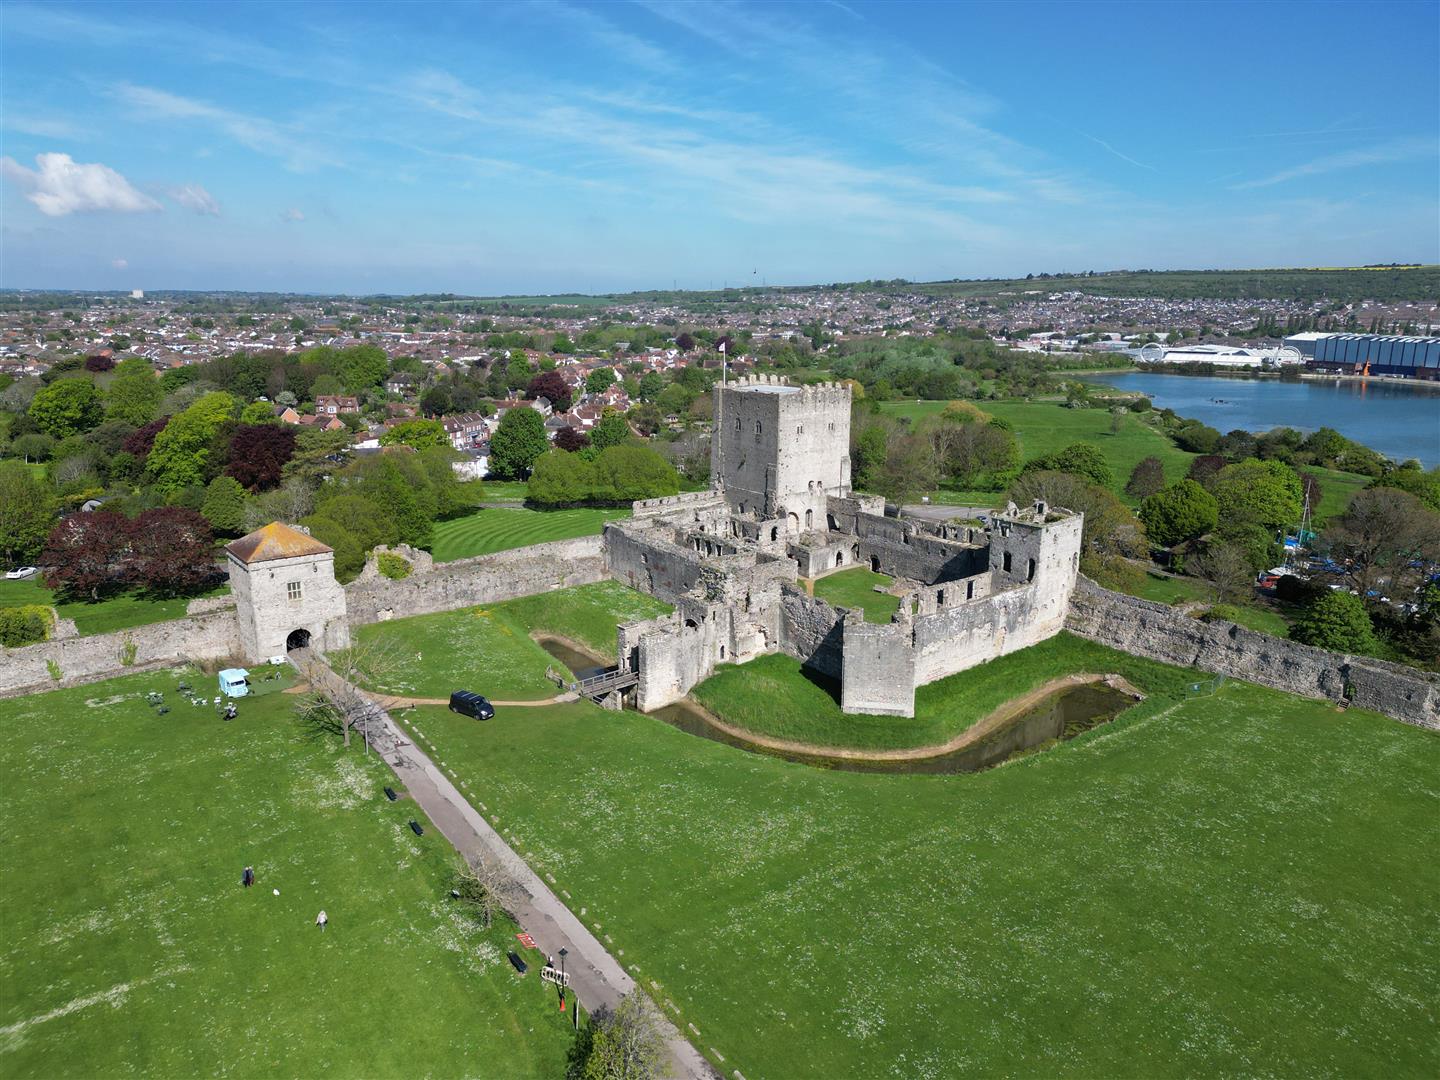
x=335, y=404
x=465, y=429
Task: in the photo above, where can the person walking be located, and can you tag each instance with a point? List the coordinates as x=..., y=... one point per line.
x=322, y=919
x=248, y=877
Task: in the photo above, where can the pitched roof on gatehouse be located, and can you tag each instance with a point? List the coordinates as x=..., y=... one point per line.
x=275, y=541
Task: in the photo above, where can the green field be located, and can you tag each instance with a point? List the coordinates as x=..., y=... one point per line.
x=855, y=588
x=489, y=649
x=1041, y=428
x=115, y=613
x=497, y=490
x=503, y=528
x=130, y=949
x=1228, y=884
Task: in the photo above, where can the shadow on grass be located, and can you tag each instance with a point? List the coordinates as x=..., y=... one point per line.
x=824, y=682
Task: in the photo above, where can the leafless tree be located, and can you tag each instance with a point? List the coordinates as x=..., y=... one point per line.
x=629, y=1043
x=1226, y=569
x=487, y=888
x=1385, y=539
x=336, y=691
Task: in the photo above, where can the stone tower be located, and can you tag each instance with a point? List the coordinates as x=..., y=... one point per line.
x=780, y=450
x=286, y=595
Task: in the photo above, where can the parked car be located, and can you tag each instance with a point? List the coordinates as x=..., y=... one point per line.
x=21, y=572
x=469, y=703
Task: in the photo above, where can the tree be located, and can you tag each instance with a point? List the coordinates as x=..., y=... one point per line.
x=571, y=438
x=1205, y=468
x=1386, y=539
x=626, y=473
x=1425, y=486
x=349, y=555
x=100, y=362
x=173, y=551
x=27, y=513
x=562, y=343
x=1179, y=512
x=258, y=412
x=1254, y=492
x=599, y=380
x=910, y=467
x=85, y=554
x=258, y=453
x=183, y=449
x=552, y=385
x=627, y=1044
x=1146, y=478
x=421, y=434
x=612, y=430
x=133, y=397
x=684, y=342
x=1336, y=621
x=1227, y=568
x=334, y=698
x=361, y=367
x=977, y=453
x=561, y=478
x=140, y=441
x=645, y=418
x=517, y=442
x=486, y=888
x=651, y=384
x=436, y=401
x=67, y=407
x=33, y=447
x=1079, y=458
x=224, y=505
x=868, y=456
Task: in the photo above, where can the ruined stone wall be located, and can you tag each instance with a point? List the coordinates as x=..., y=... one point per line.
x=86, y=659
x=971, y=633
x=1162, y=633
x=810, y=631
x=647, y=560
x=902, y=549
x=676, y=652
x=879, y=675
x=484, y=579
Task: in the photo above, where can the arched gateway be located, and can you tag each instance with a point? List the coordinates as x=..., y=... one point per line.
x=286, y=595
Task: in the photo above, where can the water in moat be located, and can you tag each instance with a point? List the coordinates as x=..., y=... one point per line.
x=581, y=665
x=1061, y=716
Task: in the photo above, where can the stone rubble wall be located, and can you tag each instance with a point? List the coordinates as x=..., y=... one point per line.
x=879, y=676
x=1162, y=633
x=484, y=579
x=82, y=660
x=811, y=631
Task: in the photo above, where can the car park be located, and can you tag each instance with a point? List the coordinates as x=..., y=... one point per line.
x=469, y=703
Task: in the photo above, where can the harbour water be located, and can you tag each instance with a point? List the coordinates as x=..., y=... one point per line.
x=1400, y=420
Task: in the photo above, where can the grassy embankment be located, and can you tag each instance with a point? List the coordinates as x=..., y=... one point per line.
x=503, y=528
x=130, y=947
x=1207, y=885
x=489, y=649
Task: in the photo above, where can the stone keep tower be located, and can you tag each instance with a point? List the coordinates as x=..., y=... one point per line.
x=286, y=595
x=780, y=450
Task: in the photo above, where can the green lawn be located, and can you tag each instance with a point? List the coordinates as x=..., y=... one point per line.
x=495, y=490
x=1261, y=616
x=489, y=649
x=775, y=695
x=1172, y=590
x=503, y=528
x=855, y=588
x=1226, y=885
x=115, y=613
x=1336, y=487
x=130, y=949
x=1042, y=427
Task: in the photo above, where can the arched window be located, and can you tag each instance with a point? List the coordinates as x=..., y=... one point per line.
x=757, y=427
x=809, y=518
x=1005, y=562
x=1030, y=571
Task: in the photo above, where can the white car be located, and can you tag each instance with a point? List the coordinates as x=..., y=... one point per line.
x=21, y=572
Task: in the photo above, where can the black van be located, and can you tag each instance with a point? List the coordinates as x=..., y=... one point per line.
x=468, y=703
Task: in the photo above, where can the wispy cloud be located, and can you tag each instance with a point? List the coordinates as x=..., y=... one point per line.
x=293, y=214
x=1123, y=157
x=194, y=197
x=46, y=127
x=60, y=186
x=1397, y=150
x=257, y=133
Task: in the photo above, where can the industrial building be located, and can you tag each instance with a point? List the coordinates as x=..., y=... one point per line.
x=1370, y=354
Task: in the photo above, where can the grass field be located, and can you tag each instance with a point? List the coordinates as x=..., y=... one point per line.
x=506, y=489
x=1261, y=616
x=503, y=528
x=130, y=949
x=1230, y=884
x=1041, y=428
x=115, y=613
x=774, y=695
x=489, y=649
x=855, y=588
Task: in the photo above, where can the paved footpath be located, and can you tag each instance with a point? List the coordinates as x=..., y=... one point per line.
x=596, y=977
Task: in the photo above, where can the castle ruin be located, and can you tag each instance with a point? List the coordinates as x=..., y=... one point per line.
x=780, y=509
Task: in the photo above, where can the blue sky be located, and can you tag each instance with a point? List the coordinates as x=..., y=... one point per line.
x=550, y=147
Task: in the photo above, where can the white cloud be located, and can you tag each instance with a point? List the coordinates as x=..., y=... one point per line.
x=292, y=214
x=61, y=186
x=120, y=264
x=194, y=197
